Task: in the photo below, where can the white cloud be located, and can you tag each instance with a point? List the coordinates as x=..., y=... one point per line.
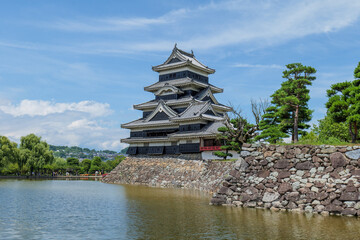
x=249, y=23
x=236, y=22
x=117, y=24
x=42, y=108
x=71, y=124
x=223, y=23
x=84, y=123
x=245, y=65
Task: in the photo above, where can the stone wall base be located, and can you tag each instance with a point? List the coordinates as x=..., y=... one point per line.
x=170, y=172
x=312, y=179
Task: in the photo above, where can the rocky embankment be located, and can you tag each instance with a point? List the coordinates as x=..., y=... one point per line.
x=171, y=172
x=319, y=179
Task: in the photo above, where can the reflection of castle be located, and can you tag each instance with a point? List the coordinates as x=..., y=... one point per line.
x=184, y=116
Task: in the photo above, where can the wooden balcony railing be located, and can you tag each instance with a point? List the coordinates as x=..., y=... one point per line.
x=210, y=148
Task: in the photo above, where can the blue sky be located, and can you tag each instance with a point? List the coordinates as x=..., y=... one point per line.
x=70, y=71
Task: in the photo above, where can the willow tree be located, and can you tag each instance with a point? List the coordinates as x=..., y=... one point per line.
x=344, y=103
x=9, y=152
x=35, y=153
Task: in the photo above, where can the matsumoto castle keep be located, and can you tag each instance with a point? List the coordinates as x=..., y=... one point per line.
x=184, y=117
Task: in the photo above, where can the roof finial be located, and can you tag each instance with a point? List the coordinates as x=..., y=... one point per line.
x=175, y=45
x=192, y=52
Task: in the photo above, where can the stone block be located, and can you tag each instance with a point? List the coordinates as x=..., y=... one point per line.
x=333, y=208
x=235, y=173
x=321, y=196
x=284, y=187
x=281, y=164
x=280, y=149
x=264, y=173
x=328, y=150
x=308, y=209
x=319, y=208
x=337, y=160
x=348, y=212
x=223, y=190
x=218, y=200
x=304, y=165
x=283, y=174
x=268, y=154
x=349, y=196
x=270, y=196
x=355, y=154
x=244, y=153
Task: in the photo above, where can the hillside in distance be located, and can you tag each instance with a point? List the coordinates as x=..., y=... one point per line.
x=83, y=153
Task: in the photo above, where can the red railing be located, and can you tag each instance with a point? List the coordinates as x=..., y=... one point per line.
x=210, y=148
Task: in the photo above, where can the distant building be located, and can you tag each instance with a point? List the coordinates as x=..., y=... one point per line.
x=184, y=116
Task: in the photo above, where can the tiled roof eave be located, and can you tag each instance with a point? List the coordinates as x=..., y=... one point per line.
x=163, y=67
x=141, y=140
x=179, y=119
x=192, y=135
x=154, y=88
x=154, y=104
x=223, y=107
x=148, y=124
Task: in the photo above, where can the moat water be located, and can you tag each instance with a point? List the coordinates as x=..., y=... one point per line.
x=59, y=209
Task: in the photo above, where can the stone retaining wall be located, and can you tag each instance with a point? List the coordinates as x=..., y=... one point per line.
x=171, y=172
x=320, y=179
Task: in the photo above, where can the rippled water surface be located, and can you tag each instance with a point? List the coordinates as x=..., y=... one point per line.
x=54, y=209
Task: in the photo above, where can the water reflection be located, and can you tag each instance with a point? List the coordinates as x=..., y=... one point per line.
x=89, y=210
x=178, y=214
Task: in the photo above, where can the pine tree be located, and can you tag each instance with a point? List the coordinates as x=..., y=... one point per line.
x=344, y=103
x=292, y=98
x=270, y=128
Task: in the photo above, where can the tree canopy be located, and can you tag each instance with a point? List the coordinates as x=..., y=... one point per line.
x=238, y=130
x=289, y=112
x=344, y=103
x=9, y=152
x=34, y=152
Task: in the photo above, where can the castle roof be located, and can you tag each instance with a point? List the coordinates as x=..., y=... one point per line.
x=179, y=58
x=197, y=110
x=182, y=82
x=210, y=130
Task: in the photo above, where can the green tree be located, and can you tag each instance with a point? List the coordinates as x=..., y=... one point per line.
x=291, y=100
x=95, y=164
x=9, y=152
x=35, y=152
x=115, y=162
x=72, y=164
x=344, y=103
x=328, y=129
x=86, y=164
x=10, y=168
x=225, y=138
x=239, y=130
x=71, y=161
x=59, y=165
x=270, y=127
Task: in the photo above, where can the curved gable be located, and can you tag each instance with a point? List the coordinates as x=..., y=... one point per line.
x=168, y=89
x=162, y=112
x=207, y=95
